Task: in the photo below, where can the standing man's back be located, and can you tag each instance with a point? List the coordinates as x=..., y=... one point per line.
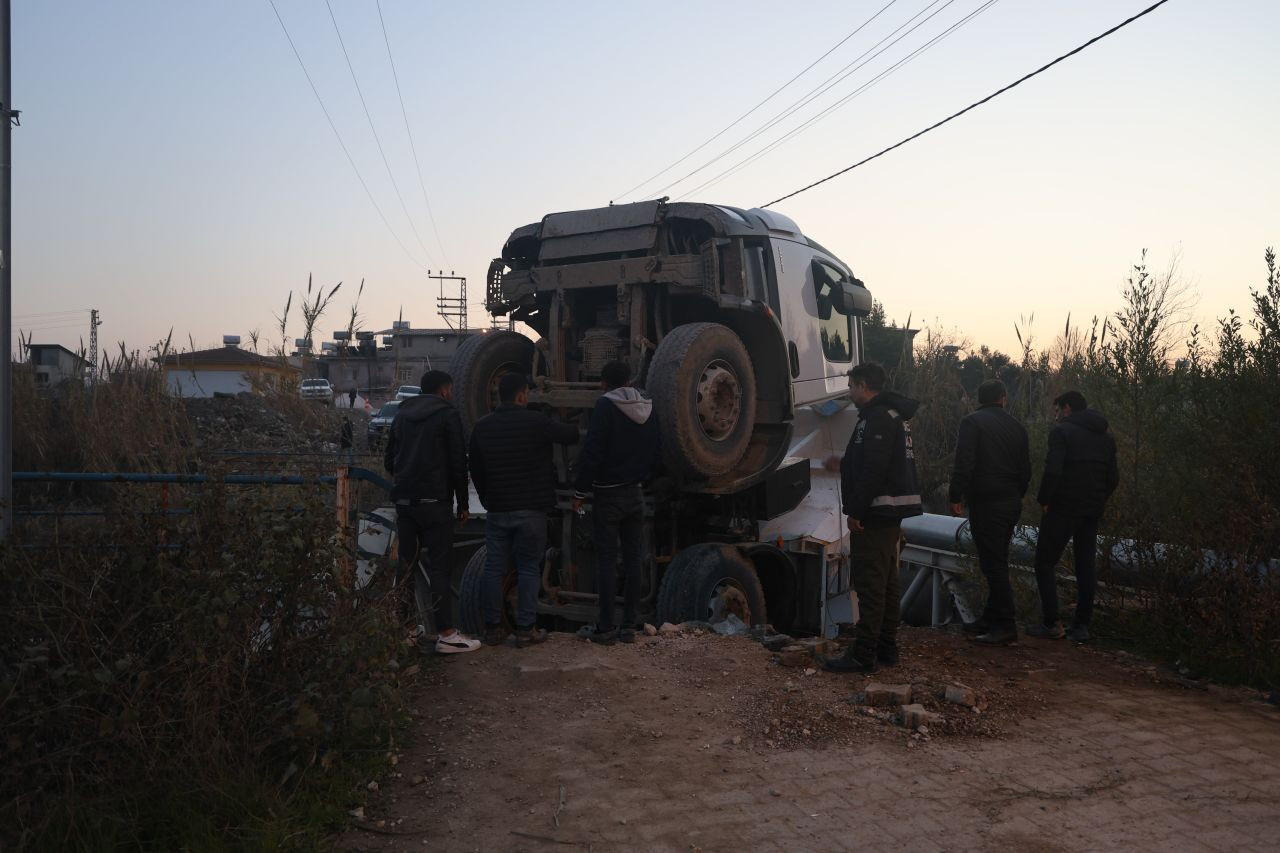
x=1080, y=473
x=427, y=458
x=515, y=477
x=991, y=474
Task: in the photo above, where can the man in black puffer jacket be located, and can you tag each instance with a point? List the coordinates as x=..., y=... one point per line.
x=617, y=457
x=879, y=488
x=426, y=455
x=991, y=474
x=1080, y=474
x=515, y=478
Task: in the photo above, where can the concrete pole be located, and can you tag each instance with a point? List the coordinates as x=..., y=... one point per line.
x=6, y=271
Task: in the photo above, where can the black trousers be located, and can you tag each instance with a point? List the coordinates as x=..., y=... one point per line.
x=991, y=523
x=425, y=531
x=618, y=513
x=873, y=559
x=1056, y=527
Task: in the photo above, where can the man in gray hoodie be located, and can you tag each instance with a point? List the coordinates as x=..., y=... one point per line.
x=618, y=455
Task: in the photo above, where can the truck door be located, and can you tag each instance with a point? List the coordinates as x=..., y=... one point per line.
x=821, y=341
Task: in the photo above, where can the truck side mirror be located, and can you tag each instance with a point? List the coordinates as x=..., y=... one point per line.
x=853, y=299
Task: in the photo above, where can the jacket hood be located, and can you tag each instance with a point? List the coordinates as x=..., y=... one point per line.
x=422, y=407
x=631, y=403
x=1089, y=419
x=904, y=406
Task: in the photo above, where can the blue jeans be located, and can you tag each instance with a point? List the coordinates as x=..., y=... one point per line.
x=521, y=534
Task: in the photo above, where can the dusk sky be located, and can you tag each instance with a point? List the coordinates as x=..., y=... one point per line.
x=173, y=168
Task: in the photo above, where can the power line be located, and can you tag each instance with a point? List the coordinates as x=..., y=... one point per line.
x=412, y=147
x=64, y=313
x=736, y=121
x=822, y=88
x=796, y=131
x=342, y=144
x=377, y=140
x=974, y=105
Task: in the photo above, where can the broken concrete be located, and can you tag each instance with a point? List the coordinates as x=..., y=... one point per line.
x=958, y=694
x=914, y=716
x=795, y=655
x=887, y=695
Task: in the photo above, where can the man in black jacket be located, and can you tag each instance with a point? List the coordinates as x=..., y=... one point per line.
x=879, y=488
x=618, y=455
x=515, y=478
x=991, y=473
x=426, y=455
x=1080, y=474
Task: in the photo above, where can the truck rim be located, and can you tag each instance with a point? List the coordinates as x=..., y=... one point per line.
x=728, y=597
x=719, y=401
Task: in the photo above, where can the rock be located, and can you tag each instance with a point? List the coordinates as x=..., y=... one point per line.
x=732, y=626
x=819, y=646
x=775, y=792
x=649, y=630
x=795, y=655
x=887, y=695
x=696, y=625
x=958, y=694
x=810, y=671
x=372, y=786
x=668, y=629
x=737, y=739
x=915, y=716
x=417, y=780
x=776, y=642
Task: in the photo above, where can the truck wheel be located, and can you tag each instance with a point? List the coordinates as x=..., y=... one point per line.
x=709, y=582
x=471, y=596
x=704, y=391
x=481, y=360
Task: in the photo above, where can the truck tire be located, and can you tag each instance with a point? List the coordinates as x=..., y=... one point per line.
x=704, y=392
x=471, y=596
x=708, y=582
x=479, y=363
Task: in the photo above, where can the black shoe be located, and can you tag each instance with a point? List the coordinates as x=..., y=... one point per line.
x=998, y=637
x=604, y=638
x=887, y=658
x=978, y=626
x=530, y=636
x=849, y=662
x=494, y=635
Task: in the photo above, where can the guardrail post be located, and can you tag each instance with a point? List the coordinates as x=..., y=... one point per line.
x=342, y=505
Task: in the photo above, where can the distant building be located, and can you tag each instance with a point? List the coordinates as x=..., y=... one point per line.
x=54, y=364
x=376, y=371
x=225, y=370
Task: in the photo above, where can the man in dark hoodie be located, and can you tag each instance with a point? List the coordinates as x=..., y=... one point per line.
x=991, y=473
x=426, y=455
x=1080, y=474
x=879, y=488
x=515, y=478
x=618, y=455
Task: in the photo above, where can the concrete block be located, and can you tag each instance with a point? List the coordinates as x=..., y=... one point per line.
x=888, y=695
x=960, y=695
x=915, y=716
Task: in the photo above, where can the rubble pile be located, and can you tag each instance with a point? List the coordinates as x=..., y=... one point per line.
x=252, y=422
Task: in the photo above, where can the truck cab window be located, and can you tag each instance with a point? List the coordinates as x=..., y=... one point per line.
x=835, y=329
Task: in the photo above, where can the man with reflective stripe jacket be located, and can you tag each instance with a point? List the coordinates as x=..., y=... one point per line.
x=879, y=488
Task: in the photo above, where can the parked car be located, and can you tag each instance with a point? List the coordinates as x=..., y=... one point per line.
x=404, y=392
x=381, y=422
x=317, y=389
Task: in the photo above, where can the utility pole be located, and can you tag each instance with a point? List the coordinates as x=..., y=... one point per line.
x=8, y=118
x=452, y=306
x=94, y=323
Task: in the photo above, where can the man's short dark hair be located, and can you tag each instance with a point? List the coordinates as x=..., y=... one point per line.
x=871, y=374
x=991, y=391
x=1074, y=399
x=510, y=386
x=615, y=374
x=433, y=380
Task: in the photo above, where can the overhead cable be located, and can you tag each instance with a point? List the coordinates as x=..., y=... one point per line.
x=341, y=143
x=412, y=147
x=975, y=104
x=770, y=97
x=796, y=131
x=822, y=88
x=377, y=139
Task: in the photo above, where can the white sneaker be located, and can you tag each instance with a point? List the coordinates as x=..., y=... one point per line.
x=455, y=644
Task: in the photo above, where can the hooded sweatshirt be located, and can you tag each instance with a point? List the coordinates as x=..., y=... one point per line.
x=621, y=447
x=878, y=473
x=1080, y=470
x=425, y=452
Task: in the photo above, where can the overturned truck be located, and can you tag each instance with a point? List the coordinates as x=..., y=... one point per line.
x=742, y=331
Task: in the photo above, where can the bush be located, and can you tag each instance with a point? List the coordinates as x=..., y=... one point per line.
x=200, y=680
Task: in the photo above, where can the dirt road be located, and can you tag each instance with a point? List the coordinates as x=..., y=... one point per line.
x=704, y=743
